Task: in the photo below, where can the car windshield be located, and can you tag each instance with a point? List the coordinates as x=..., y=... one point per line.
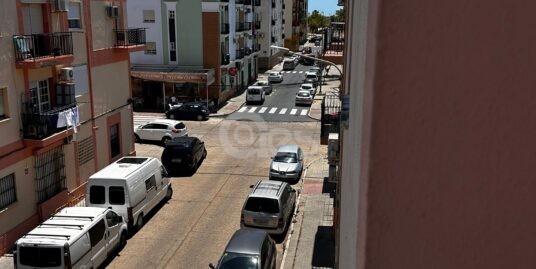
x=311, y=76
x=258, y=204
x=307, y=87
x=273, y=74
x=303, y=94
x=180, y=126
x=232, y=260
x=285, y=157
x=254, y=91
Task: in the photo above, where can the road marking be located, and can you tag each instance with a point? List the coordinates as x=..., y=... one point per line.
x=272, y=111
x=295, y=72
x=283, y=111
x=293, y=111
x=252, y=109
x=243, y=109
x=262, y=110
x=303, y=112
x=301, y=72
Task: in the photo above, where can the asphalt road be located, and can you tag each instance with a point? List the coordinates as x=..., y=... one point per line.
x=192, y=229
x=279, y=106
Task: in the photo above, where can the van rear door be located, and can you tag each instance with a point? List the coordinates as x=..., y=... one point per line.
x=40, y=256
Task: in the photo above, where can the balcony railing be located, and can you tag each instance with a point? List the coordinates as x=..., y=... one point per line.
x=224, y=28
x=239, y=53
x=129, y=37
x=39, y=125
x=256, y=47
x=225, y=59
x=38, y=46
x=247, y=51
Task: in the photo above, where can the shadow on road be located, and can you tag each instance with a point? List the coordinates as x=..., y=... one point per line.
x=324, y=248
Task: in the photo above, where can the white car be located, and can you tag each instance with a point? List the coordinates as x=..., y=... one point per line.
x=265, y=84
x=160, y=130
x=275, y=77
x=308, y=87
x=304, y=98
x=255, y=94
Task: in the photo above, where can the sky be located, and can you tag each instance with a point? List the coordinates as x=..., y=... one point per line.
x=326, y=6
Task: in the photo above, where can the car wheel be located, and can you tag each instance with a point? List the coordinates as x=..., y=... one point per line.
x=137, y=138
x=122, y=241
x=139, y=222
x=169, y=193
x=200, y=117
x=165, y=139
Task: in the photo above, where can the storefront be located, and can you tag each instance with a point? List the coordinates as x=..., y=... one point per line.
x=154, y=88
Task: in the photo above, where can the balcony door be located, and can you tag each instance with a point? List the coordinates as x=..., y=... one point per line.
x=32, y=15
x=40, y=96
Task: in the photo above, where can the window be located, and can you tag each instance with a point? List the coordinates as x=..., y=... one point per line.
x=116, y=195
x=96, y=233
x=150, y=183
x=3, y=104
x=49, y=173
x=258, y=204
x=150, y=48
x=148, y=15
x=96, y=195
x=40, y=256
x=73, y=15
x=8, y=194
x=160, y=126
x=111, y=218
x=85, y=150
x=115, y=147
x=39, y=95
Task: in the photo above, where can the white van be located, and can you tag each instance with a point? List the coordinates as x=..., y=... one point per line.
x=75, y=237
x=255, y=94
x=131, y=186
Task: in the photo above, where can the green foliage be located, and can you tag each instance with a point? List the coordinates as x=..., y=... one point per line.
x=317, y=20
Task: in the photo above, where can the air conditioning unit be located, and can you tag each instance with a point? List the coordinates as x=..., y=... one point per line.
x=67, y=74
x=59, y=5
x=113, y=11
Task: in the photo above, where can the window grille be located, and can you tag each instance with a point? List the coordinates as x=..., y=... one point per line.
x=8, y=194
x=49, y=173
x=85, y=150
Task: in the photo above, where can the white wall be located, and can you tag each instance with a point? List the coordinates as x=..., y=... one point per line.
x=153, y=30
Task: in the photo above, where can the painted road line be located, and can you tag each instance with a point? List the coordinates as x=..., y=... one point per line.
x=303, y=112
x=295, y=72
x=272, y=111
x=293, y=111
x=242, y=109
x=262, y=110
x=252, y=109
x=283, y=111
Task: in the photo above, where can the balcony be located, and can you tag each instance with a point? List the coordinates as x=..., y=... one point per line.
x=39, y=50
x=247, y=51
x=239, y=53
x=273, y=39
x=225, y=59
x=256, y=47
x=224, y=29
x=247, y=2
x=257, y=3
x=40, y=125
x=273, y=22
x=130, y=39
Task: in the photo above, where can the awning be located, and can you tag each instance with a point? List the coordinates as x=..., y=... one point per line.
x=175, y=74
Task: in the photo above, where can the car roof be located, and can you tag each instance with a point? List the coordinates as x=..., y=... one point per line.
x=267, y=189
x=255, y=87
x=307, y=84
x=304, y=91
x=165, y=121
x=262, y=81
x=124, y=167
x=288, y=148
x=246, y=241
x=273, y=73
x=181, y=141
x=310, y=73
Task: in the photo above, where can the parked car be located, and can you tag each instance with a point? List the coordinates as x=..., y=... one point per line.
x=304, y=98
x=269, y=206
x=188, y=111
x=312, y=78
x=275, y=77
x=317, y=42
x=287, y=164
x=266, y=86
x=255, y=94
x=183, y=154
x=131, y=186
x=248, y=248
x=160, y=130
x=307, y=50
x=308, y=87
x=295, y=59
x=308, y=61
x=289, y=64
x=316, y=69
x=75, y=237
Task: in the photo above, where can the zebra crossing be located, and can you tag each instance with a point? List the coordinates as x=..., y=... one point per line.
x=293, y=72
x=274, y=110
x=140, y=119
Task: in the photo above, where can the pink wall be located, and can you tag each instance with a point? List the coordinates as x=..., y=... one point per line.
x=452, y=180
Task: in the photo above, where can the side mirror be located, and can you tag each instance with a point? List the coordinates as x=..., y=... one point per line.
x=251, y=186
x=210, y=265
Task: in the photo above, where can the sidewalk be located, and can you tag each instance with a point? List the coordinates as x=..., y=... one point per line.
x=329, y=87
x=312, y=244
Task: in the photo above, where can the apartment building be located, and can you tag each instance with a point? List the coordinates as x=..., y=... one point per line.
x=196, y=51
x=271, y=32
x=65, y=103
x=295, y=23
x=438, y=152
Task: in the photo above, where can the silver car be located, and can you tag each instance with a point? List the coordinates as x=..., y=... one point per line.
x=287, y=164
x=275, y=77
x=160, y=130
x=265, y=84
x=269, y=206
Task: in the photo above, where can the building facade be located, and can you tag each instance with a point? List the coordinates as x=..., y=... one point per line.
x=65, y=103
x=295, y=23
x=271, y=33
x=438, y=153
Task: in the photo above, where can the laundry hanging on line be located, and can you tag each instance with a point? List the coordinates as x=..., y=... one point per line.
x=69, y=117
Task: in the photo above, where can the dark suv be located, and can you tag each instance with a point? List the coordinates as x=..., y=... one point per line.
x=188, y=111
x=183, y=154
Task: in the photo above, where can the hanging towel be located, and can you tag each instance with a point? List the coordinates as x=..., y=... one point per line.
x=62, y=119
x=75, y=118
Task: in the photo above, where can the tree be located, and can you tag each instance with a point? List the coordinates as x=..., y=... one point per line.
x=317, y=20
x=338, y=17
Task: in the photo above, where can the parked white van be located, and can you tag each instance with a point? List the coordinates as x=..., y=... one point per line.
x=75, y=237
x=132, y=186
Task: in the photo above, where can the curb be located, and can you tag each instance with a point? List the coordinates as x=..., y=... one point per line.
x=228, y=113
